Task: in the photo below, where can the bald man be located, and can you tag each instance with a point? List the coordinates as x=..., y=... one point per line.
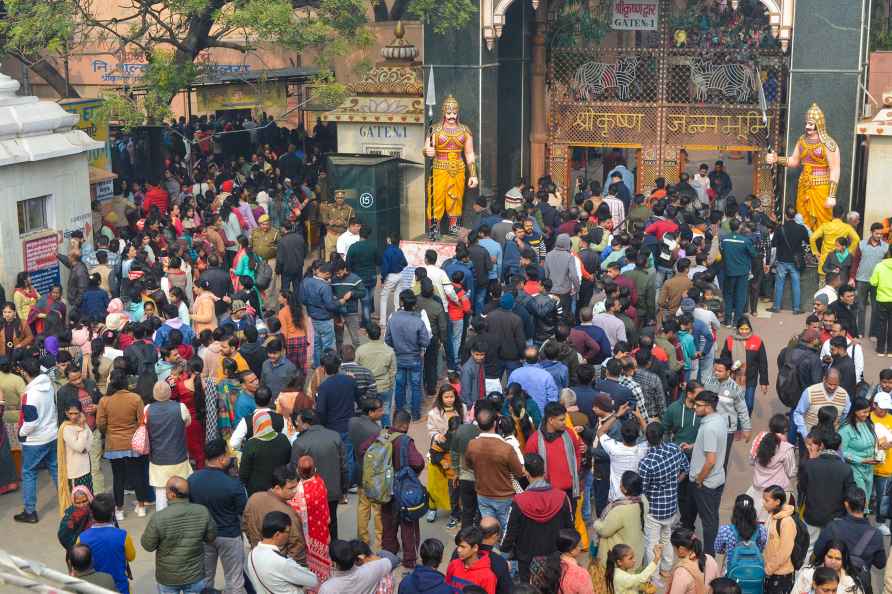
x=177, y=534
x=492, y=535
x=825, y=393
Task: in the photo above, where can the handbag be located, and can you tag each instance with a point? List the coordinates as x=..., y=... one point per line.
x=139, y=443
x=798, y=256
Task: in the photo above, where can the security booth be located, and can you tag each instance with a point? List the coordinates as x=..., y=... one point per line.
x=376, y=188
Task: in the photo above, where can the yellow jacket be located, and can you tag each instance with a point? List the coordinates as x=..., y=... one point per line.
x=882, y=280
x=829, y=232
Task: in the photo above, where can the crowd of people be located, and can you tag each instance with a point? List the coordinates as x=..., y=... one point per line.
x=579, y=394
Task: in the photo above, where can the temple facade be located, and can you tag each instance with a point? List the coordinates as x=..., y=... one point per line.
x=571, y=89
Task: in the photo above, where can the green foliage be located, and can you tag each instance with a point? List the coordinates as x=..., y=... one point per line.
x=579, y=22
x=446, y=15
x=31, y=27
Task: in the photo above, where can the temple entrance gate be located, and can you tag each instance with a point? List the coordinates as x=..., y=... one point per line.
x=700, y=78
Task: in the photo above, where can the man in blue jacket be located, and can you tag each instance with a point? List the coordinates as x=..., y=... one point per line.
x=737, y=258
x=317, y=296
x=408, y=336
x=425, y=579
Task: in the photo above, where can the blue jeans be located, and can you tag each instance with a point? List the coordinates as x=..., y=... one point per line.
x=749, y=396
x=368, y=304
x=495, y=508
x=324, y=338
x=479, y=299
x=455, y=330
x=408, y=377
x=588, y=481
x=193, y=588
x=704, y=366
x=661, y=276
x=33, y=457
x=881, y=490
x=352, y=479
x=784, y=269
x=735, y=290
x=386, y=397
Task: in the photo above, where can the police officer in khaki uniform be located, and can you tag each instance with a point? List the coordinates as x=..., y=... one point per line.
x=335, y=217
x=264, y=241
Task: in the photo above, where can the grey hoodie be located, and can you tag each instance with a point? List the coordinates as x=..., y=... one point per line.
x=560, y=267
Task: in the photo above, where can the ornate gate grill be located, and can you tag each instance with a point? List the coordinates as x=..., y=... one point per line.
x=658, y=94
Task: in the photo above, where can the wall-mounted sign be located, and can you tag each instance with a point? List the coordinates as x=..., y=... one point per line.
x=635, y=15
x=39, y=256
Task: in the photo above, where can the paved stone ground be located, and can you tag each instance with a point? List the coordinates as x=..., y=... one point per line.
x=39, y=541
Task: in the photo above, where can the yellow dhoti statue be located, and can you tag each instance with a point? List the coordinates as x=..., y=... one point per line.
x=450, y=144
x=818, y=155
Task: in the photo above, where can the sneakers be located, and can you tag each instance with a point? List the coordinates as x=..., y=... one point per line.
x=26, y=517
x=119, y=515
x=452, y=523
x=883, y=529
x=140, y=511
x=773, y=309
x=431, y=516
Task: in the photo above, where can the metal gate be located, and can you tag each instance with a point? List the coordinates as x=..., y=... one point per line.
x=687, y=85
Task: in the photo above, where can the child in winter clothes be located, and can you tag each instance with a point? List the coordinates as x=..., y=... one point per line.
x=457, y=311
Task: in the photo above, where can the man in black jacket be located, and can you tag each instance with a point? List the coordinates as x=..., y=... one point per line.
x=290, y=254
x=789, y=241
x=543, y=309
x=217, y=281
x=824, y=482
x=508, y=326
x=862, y=540
x=536, y=518
x=805, y=357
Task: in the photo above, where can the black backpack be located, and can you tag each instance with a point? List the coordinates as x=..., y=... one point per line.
x=800, y=544
x=788, y=388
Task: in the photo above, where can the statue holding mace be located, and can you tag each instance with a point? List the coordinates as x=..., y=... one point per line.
x=818, y=154
x=447, y=143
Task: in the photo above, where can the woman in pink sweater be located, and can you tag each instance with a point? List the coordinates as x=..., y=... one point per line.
x=774, y=461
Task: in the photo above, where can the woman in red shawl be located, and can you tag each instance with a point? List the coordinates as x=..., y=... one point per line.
x=52, y=301
x=190, y=391
x=311, y=503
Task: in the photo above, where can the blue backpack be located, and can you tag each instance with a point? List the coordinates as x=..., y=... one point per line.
x=744, y=565
x=409, y=495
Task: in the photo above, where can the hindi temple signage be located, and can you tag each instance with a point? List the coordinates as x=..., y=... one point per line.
x=635, y=15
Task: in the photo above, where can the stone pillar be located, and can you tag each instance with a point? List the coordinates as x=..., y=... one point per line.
x=829, y=78
x=538, y=134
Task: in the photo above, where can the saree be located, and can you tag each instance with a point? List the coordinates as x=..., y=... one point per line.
x=9, y=480
x=311, y=504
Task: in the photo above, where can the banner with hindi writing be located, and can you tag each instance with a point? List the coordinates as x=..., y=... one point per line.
x=635, y=15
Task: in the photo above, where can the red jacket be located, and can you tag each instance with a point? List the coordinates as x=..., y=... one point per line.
x=457, y=311
x=660, y=227
x=480, y=573
x=155, y=196
x=557, y=469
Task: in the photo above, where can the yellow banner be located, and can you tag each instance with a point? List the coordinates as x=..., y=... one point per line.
x=88, y=110
x=269, y=97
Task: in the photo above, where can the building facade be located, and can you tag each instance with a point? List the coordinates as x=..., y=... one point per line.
x=550, y=87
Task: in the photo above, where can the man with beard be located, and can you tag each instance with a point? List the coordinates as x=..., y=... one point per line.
x=561, y=449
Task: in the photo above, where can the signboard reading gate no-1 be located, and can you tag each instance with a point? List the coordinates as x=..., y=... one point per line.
x=635, y=15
